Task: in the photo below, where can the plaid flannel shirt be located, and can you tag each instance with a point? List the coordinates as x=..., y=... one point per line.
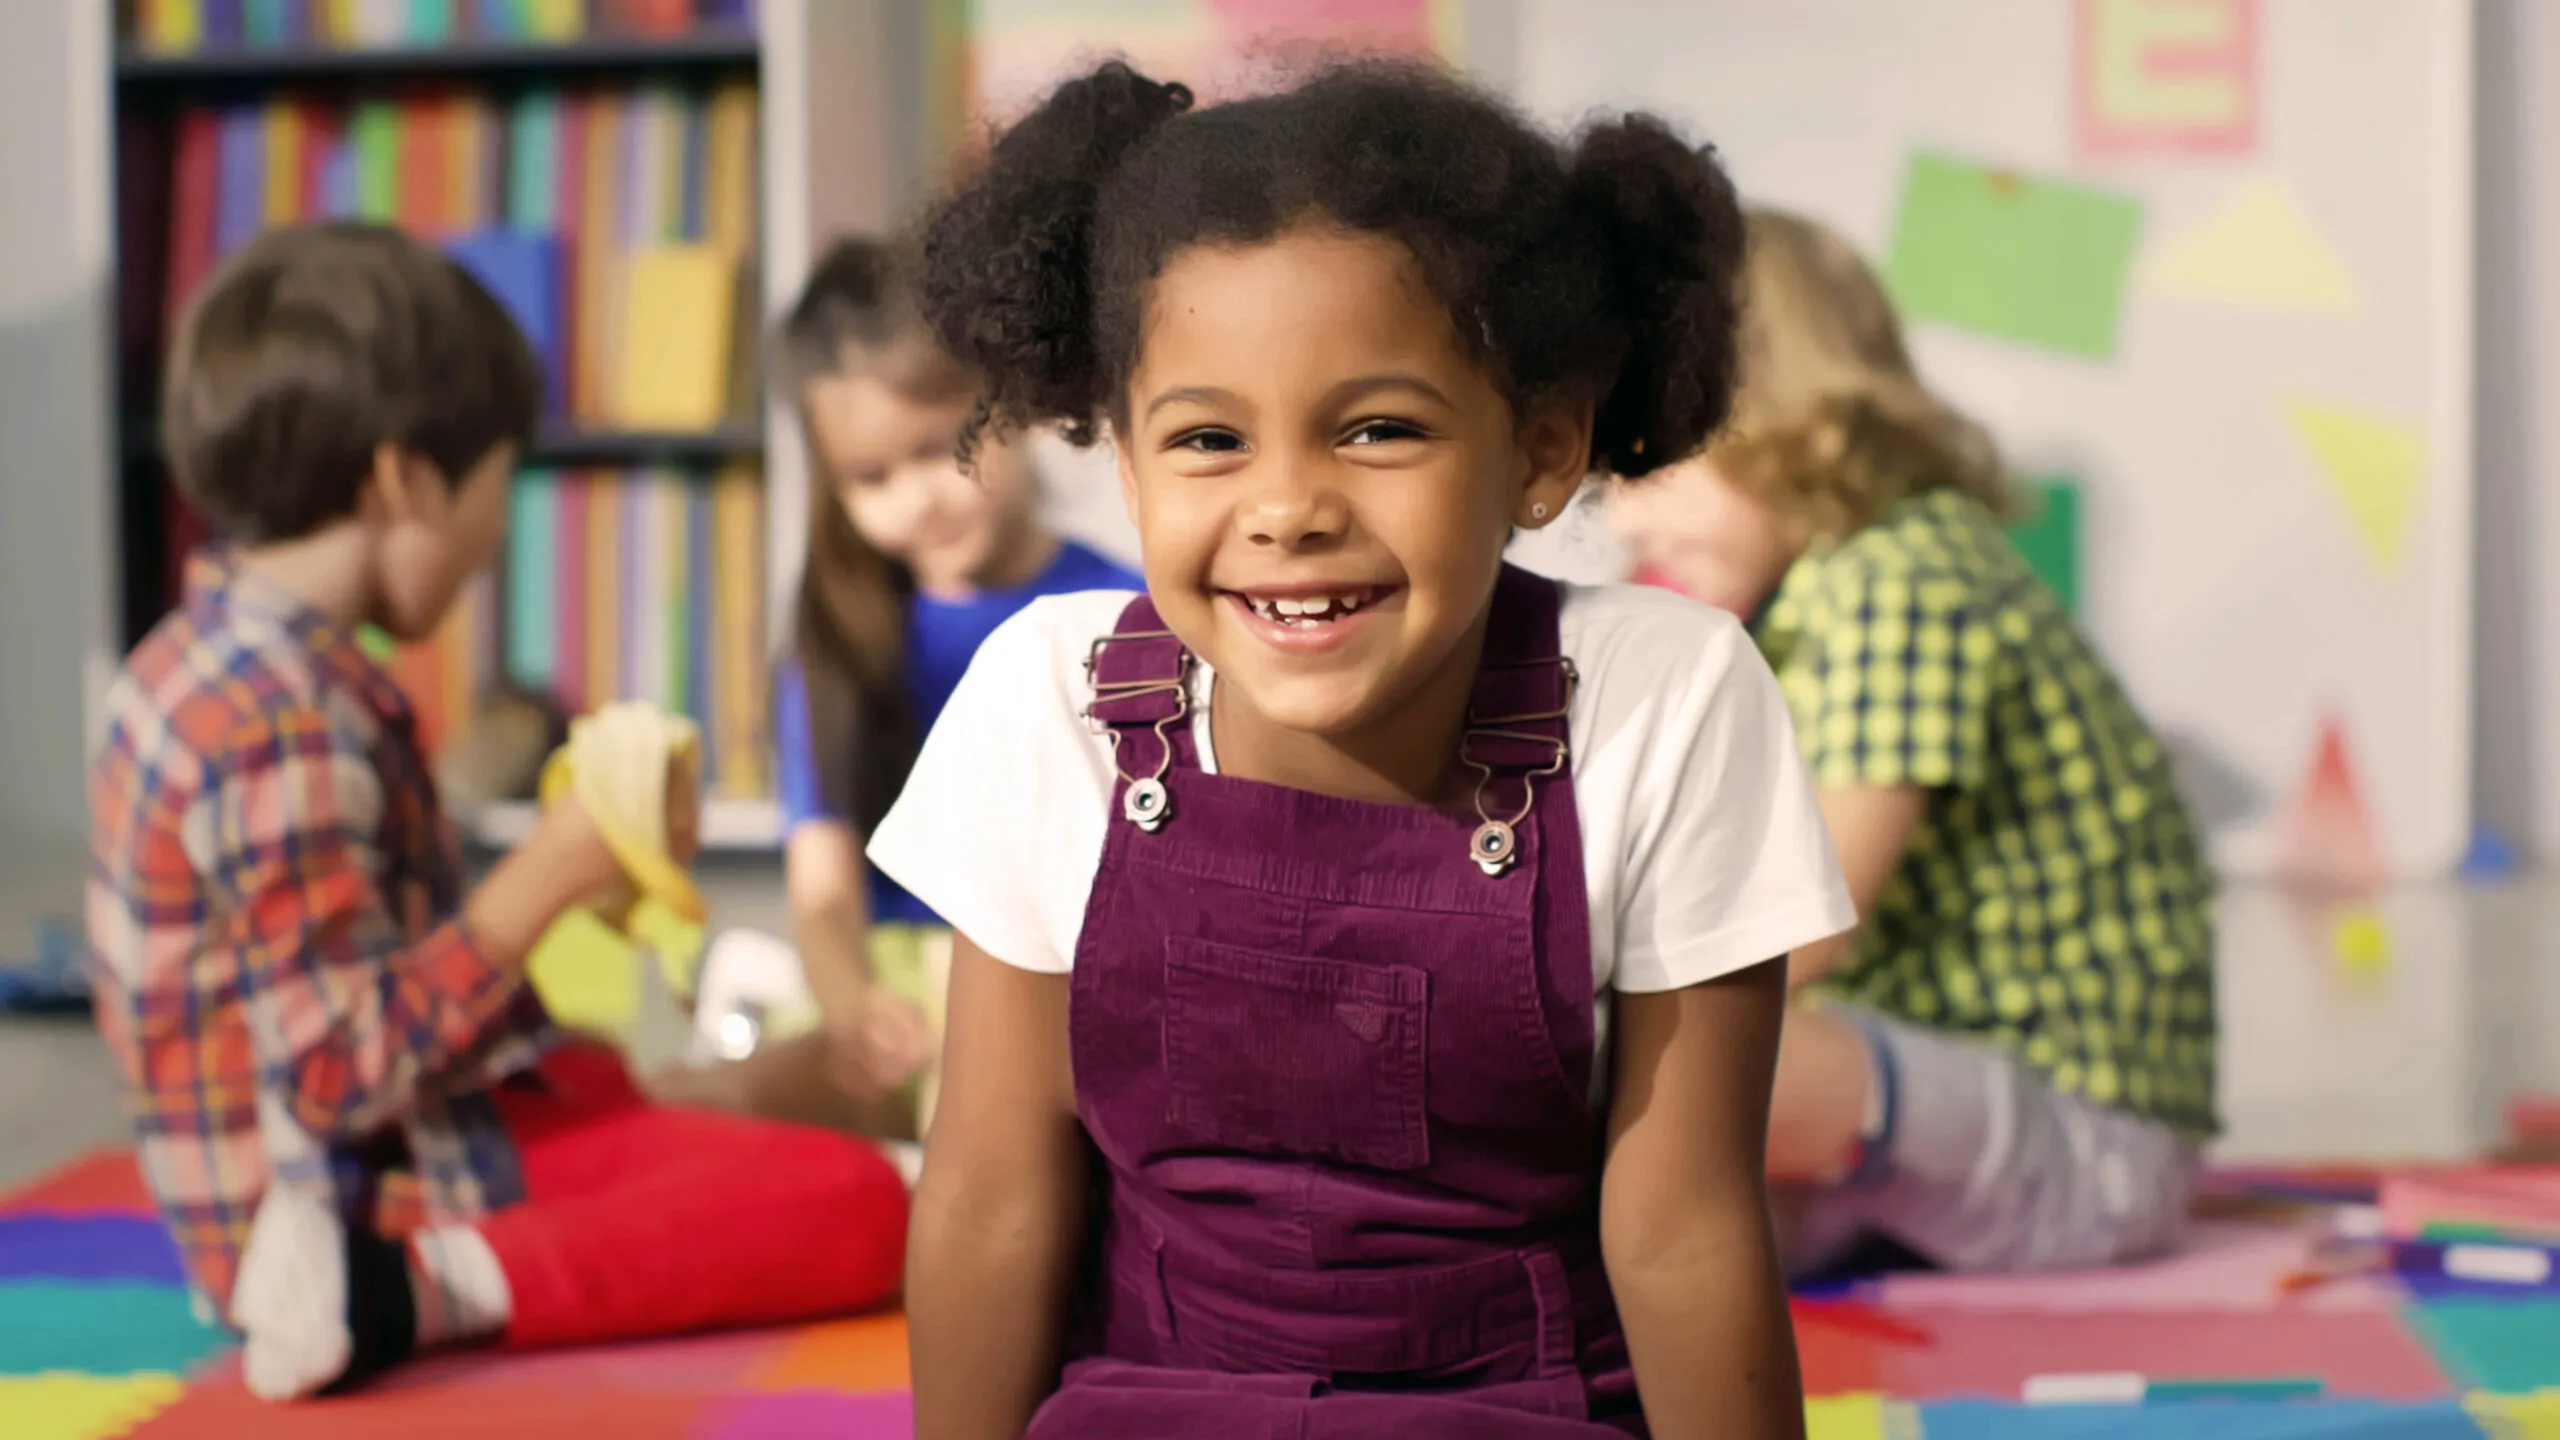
x=274, y=943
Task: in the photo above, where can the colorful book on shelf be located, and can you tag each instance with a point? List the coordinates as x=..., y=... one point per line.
x=522, y=268
x=604, y=587
x=170, y=27
x=531, y=596
x=240, y=202
x=701, y=682
x=737, y=629
x=675, y=357
x=569, y=591
x=195, y=194
x=555, y=19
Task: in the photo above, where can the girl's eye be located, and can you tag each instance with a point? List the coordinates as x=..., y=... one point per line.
x=1209, y=442
x=1381, y=432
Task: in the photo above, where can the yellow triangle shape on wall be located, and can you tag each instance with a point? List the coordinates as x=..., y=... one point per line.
x=2376, y=467
x=2260, y=249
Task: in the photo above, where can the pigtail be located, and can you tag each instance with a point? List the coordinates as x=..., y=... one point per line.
x=1669, y=231
x=1008, y=272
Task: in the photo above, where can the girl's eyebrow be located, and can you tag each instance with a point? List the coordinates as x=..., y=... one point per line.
x=1363, y=386
x=1209, y=395
x=1343, y=393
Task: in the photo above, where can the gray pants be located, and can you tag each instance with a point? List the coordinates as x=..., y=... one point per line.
x=1987, y=1166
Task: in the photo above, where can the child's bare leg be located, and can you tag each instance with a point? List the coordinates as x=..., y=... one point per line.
x=1818, y=1111
x=787, y=1080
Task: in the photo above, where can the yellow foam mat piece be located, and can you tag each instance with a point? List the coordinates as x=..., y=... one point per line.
x=2517, y=1417
x=61, y=1406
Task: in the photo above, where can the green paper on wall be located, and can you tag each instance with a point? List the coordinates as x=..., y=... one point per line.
x=2036, y=261
x=2048, y=535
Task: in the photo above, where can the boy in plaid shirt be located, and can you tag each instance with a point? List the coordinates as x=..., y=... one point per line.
x=346, y=1097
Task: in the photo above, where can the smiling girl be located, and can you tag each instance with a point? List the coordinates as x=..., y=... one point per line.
x=1368, y=975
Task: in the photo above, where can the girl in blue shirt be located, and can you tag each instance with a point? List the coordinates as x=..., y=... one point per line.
x=912, y=563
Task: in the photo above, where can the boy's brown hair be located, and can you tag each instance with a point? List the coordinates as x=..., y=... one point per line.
x=1831, y=425
x=316, y=344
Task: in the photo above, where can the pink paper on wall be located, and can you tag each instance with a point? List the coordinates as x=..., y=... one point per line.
x=2167, y=76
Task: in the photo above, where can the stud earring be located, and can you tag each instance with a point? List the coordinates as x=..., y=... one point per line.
x=1538, y=511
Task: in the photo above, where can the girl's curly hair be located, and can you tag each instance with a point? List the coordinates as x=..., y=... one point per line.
x=1601, y=271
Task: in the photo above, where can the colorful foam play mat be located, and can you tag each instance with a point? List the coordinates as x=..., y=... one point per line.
x=2296, y=1310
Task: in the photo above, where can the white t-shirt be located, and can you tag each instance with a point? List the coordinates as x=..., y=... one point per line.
x=1703, y=849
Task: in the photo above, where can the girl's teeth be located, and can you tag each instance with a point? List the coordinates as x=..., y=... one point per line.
x=1310, y=611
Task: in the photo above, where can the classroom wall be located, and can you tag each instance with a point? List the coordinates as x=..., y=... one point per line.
x=56, y=584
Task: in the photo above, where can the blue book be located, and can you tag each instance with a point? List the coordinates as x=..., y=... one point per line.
x=240, y=198
x=522, y=268
x=429, y=22
x=224, y=25
x=533, y=583
x=696, y=168
x=338, y=181
x=262, y=22
x=533, y=162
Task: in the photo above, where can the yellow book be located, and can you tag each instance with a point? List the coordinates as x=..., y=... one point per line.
x=283, y=125
x=172, y=27
x=555, y=19
x=674, y=365
x=467, y=164
x=337, y=22
x=729, y=170
x=737, y=521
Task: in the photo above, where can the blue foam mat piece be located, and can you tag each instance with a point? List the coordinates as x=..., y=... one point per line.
x=88, y=1247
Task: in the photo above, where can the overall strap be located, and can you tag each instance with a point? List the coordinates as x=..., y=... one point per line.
x=1141, y=681
x=1517, y=734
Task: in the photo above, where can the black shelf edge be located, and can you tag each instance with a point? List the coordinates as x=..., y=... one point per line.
x=563, y=445
x=713, y=48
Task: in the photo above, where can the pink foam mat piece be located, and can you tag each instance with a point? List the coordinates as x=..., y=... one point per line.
x=2224, y=1264
x=1992, y=1355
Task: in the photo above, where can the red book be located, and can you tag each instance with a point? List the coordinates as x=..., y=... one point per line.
x=194, y=195
x=426, y=179
x=665, y=18
x=324, y=133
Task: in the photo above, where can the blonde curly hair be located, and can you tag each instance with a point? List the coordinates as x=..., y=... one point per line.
x=1831, y=426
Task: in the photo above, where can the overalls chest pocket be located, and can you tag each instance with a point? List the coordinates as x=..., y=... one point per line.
x=1297, y=1056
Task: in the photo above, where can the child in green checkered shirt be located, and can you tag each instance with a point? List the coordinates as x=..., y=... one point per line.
x=2010, y=1064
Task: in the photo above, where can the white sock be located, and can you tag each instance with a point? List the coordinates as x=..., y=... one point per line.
x=461, y=1292
x=290, y=1299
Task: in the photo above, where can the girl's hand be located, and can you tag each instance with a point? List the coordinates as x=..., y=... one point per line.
x=875, y=1042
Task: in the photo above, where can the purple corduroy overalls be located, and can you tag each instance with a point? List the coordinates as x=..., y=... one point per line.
x=1340, y=1079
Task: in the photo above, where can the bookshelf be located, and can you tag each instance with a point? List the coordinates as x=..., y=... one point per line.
x=837, y=108
x=710, y=48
